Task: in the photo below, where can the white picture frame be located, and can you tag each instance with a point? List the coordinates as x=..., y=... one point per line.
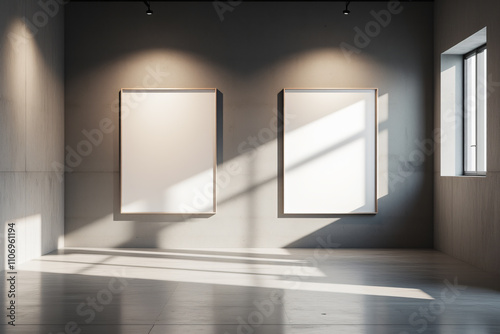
x=168, y=151
x=330, y=151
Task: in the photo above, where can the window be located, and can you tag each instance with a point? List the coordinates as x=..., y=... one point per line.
x=463, y=107
x=475, y=96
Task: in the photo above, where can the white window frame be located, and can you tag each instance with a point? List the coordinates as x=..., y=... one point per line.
x=475, y=111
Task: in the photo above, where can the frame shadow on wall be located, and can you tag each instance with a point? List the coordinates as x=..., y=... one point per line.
x=167, y=217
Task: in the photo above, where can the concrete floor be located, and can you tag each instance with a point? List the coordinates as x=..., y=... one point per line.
x=252, y=291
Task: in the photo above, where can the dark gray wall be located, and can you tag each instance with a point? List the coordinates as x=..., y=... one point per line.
x=31, y=126
x=256, y=51
x=467, y=214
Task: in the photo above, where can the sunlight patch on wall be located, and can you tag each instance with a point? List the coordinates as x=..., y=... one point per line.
x=383, y=145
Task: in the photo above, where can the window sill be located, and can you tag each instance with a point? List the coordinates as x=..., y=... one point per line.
x=479, y=176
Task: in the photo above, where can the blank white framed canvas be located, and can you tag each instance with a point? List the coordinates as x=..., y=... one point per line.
x=330, y=151
x=168, y=158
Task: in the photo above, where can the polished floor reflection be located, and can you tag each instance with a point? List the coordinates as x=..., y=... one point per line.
x=252, y=291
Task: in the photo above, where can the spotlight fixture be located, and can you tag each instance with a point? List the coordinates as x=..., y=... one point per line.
x=346, y=10
x=149, y=11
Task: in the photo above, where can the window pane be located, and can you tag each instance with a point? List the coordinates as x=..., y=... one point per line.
x=482, y=79
x=470, y=114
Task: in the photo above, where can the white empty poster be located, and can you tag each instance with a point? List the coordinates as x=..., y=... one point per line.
x=168, y=151
x=330, y=151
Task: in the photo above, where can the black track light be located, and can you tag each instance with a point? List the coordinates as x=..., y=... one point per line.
x=346, y=10
x=149, y=11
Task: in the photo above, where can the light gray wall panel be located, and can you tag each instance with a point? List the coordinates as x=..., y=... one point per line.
x=45, y=90
x=12, y=87
x=31, y=125
x=45, y=197
x=12, y=204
